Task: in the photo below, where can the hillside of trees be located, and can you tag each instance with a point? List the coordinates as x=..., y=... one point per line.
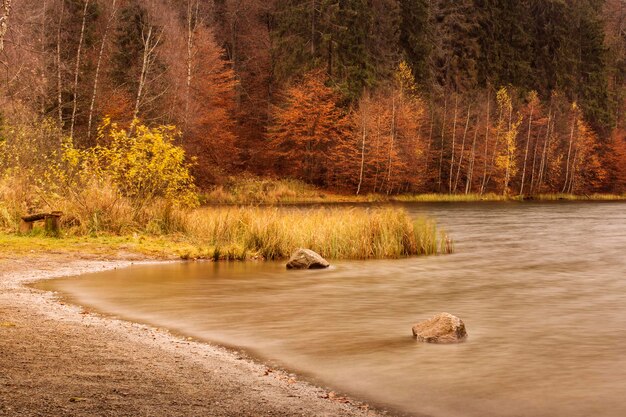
x=378, y=96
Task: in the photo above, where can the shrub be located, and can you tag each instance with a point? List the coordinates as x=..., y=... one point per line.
x=134, y=178
x=145, y=164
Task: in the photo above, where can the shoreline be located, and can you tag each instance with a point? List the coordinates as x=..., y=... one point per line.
x=59, y=359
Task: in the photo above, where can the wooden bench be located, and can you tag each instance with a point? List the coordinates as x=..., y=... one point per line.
x=51, y=222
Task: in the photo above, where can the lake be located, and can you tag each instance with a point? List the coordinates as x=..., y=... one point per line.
x=541, y=288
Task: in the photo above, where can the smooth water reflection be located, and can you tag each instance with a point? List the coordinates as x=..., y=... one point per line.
x=541, y=288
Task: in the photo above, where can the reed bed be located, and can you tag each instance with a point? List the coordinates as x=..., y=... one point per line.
x=354, y=233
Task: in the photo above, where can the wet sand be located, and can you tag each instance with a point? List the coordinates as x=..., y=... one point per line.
x=58, y=359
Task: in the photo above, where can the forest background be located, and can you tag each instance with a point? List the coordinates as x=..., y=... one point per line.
x=356, y=96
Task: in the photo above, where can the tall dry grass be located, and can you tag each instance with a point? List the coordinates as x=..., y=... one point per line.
x=256, y=190
x=229, y=232
x=338, y=233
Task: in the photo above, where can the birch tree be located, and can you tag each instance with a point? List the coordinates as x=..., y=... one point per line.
x=77, y=70
x=364, y=112
x=150, y=40
x=470, y=168
x=5, y=12
x=458, y=171
x=569, y=147
x=192, y=25
x=456, y=106
x=546, y=142
x=484, y=180
x=59, y=66
x=533, y=101
x=96, y=78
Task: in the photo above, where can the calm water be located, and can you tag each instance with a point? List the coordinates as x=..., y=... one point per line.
x=541, y=288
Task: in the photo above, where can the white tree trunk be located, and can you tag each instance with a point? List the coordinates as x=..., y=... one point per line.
x=458, y=171
x=533, y=184
x=5, y=12
x=470, y=169
x=484, y=181
x=544, y=155
x=94, y=92
x=530, y=123
x=509, y=154
x=150, y=43
x=59, y=75
x=569, y=152
x=192, y=25
x=430, y=140
x=391, y=142
x=364, y=137
x=456, y=107
x=77, y=70
x=443, y=132
x=43, y=58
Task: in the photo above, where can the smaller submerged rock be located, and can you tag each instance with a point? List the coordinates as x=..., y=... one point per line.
x=306, y=259
x=442, y=328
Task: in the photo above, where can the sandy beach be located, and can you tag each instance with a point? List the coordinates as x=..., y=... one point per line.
x=60, y=360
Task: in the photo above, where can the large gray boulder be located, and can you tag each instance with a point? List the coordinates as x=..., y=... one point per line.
x=306, y=259
x=442, y=328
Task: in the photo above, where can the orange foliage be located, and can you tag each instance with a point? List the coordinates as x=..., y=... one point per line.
x=588, y=174
x=617, y=160
x=208, y=119
x=391, y=155
x=307, y=139
x=117, y=105
x=389, y=147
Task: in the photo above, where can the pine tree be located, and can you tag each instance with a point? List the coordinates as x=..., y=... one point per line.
x=415, y=38
x=505, y=44
x=454, y=63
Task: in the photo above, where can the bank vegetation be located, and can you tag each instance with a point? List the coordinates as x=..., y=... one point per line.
x=136, y=192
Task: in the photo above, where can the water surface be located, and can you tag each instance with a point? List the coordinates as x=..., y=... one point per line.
x=541, y=288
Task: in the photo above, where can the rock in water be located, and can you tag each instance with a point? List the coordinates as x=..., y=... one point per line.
x=443, y=328
x=306, y=259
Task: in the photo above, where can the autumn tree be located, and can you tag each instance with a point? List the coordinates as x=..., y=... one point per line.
x=209, y=104
x=388, y=121
x=137, y=66
x=242, y=28
x=533, y=103
x=616, y=158
x=308, y=130
x=587, y=173
x=225, y=72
